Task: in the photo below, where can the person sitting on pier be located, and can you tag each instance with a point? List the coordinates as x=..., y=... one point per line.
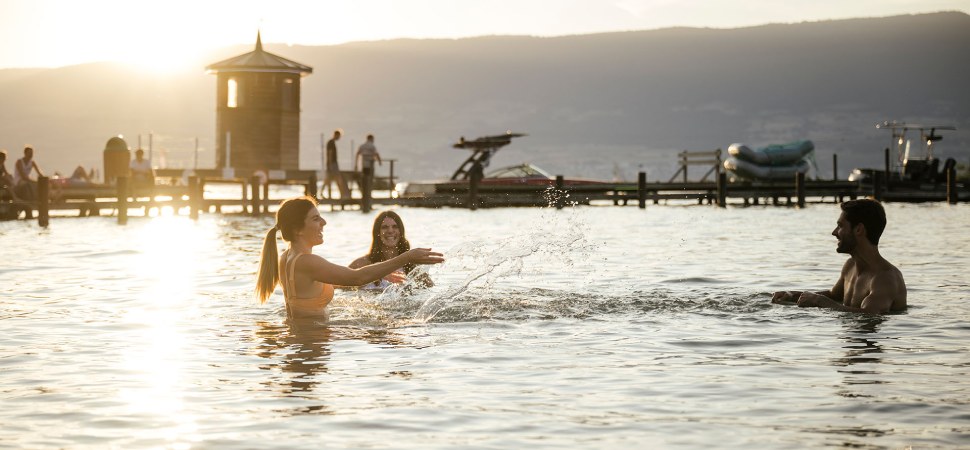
x=26, y=187
x=308, y=279
x=869, y=283
x=388, y=240
x=6, y=178
x=79, y=178
x=142, y=173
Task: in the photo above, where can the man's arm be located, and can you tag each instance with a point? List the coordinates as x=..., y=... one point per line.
x=791, y=297
x=37, y=168
x=831, y=298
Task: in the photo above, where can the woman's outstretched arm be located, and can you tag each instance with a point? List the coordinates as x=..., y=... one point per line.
x=320, y=269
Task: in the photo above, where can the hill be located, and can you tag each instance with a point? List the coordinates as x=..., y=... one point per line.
x=588, y=101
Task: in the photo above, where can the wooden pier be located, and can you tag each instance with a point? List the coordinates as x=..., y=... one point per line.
x=254, y=194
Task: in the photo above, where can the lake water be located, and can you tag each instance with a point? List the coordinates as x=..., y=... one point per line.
x=589, y=327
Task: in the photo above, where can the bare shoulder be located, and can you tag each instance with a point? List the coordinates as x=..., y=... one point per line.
x=890, y=274
x=888, y=280
x=308, y=261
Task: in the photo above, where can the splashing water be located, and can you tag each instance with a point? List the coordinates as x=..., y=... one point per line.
x=554, y=241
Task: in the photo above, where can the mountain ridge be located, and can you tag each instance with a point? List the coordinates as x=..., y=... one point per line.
x=589, y=102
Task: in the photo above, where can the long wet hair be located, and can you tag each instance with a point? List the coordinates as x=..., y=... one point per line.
x=403, y=245
x=289, y=219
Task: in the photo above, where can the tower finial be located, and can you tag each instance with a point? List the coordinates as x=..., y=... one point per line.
x=259, y=41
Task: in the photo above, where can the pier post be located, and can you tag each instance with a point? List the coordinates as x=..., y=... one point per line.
x=877, y=185
x=722, y=190
x=254, y=197
x=390, y=180
x=121, y=183
x=952, y=195
x=195, y=202
x=264, y=203
x=835, y=167
x=800, y=188
x=43, y=201
x=311, y=186
x=366, y=185
x=477, y=172
x=888, y=176
x=642, y=190
x=560, y=195
x=245, y=197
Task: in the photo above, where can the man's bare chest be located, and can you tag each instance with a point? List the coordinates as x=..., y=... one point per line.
x=857, y=287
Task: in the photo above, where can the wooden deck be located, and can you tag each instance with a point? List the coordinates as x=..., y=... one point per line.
x=253, y=197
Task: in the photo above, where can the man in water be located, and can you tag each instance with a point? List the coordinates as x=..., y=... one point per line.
x=869, y=283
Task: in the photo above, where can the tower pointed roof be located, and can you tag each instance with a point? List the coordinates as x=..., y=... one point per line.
x=259, y=60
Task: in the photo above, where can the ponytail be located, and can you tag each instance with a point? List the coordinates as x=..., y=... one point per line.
x=289, y=219
x=269, y=274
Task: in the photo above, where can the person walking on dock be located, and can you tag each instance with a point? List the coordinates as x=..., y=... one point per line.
x=366, y=155
x=332, y=168
x=869, y=283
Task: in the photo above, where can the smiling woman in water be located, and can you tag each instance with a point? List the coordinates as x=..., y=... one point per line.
x=388, y=240
x=308, y=279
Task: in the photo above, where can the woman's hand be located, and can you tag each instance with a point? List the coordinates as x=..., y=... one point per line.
x=424, y=256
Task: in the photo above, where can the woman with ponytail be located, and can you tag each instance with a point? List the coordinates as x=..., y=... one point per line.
x=308, y=279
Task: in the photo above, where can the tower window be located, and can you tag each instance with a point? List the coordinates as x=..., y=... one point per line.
x=232, y=100
x=289, y=94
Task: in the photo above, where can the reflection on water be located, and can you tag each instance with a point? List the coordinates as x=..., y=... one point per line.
x=861, y=349
x=861, y=364
x=298, y=351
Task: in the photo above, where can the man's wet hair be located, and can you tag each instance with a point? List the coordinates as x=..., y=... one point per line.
x=869, y=213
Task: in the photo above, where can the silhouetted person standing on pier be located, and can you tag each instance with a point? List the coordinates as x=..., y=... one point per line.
x=331, y=168
x=366, y=155
x=869, y=283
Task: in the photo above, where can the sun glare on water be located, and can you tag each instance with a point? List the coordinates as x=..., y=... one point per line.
x=168, y=266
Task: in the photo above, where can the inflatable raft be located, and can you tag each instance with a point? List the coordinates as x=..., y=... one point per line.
x=774, y=162
x=753, y=171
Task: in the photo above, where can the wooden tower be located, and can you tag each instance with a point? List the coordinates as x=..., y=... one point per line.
x=258, y=111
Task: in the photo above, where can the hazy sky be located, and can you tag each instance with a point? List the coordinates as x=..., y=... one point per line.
x=176, y=34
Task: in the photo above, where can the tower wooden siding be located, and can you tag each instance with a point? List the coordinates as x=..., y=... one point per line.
x=264, y=125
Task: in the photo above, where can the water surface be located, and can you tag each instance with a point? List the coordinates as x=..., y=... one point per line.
x=590, y=327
